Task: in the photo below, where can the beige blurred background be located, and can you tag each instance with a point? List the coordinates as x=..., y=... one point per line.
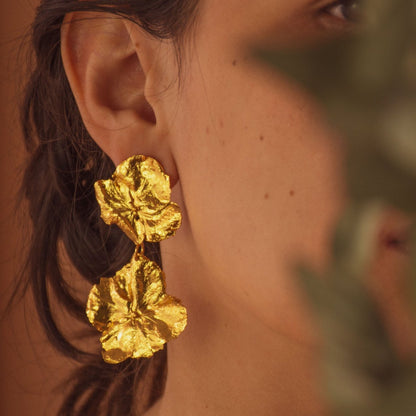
x=29, y=369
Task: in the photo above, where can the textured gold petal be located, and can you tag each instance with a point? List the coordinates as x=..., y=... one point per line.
x=154, y=193
x=115, y=356
x=111, y=200
x=128, y=173
x=131, y=283
x=159, y=182
x=162, y=317
x=146, y=180
x=157, y=333
x=106, y=303
x=124, y=341
x=139, y=232
x=172, y=313
x=162, y=225
x=113, y=352
x=117, y=207
x=153, y=280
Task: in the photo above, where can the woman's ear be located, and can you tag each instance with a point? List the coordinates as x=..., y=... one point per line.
x=113, y=69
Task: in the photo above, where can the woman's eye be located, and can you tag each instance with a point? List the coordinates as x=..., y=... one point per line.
x=347, y=10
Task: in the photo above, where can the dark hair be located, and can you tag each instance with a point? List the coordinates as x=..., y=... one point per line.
x=64, y=162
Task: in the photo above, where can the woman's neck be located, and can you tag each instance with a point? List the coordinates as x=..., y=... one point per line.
x=226, y=363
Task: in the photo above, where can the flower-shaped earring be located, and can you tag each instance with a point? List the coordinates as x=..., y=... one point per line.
x=137, y=199
x=131, y=309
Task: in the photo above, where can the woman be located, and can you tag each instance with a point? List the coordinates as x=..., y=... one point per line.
x=254, y=167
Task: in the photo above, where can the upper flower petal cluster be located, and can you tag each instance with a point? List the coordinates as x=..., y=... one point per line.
x=133, y=311
x=137, y=199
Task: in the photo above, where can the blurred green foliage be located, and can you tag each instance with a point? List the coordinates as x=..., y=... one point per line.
x=366, y=82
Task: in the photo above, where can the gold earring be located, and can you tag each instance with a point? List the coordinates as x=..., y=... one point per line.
x=131, y=309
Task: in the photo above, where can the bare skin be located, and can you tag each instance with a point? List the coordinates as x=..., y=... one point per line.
x=258, y=174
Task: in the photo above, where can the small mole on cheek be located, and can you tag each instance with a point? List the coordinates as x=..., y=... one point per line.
x=292, y=193
x=261, y=138
x=266, y=196
x=234, y=62
x=207, y=130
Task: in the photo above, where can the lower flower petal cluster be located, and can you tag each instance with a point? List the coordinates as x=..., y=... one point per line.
x=133, y=311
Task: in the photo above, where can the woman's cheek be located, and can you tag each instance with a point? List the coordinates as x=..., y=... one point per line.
x=261, y=181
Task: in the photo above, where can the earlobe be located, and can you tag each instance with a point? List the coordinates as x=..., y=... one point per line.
x=109, y=78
